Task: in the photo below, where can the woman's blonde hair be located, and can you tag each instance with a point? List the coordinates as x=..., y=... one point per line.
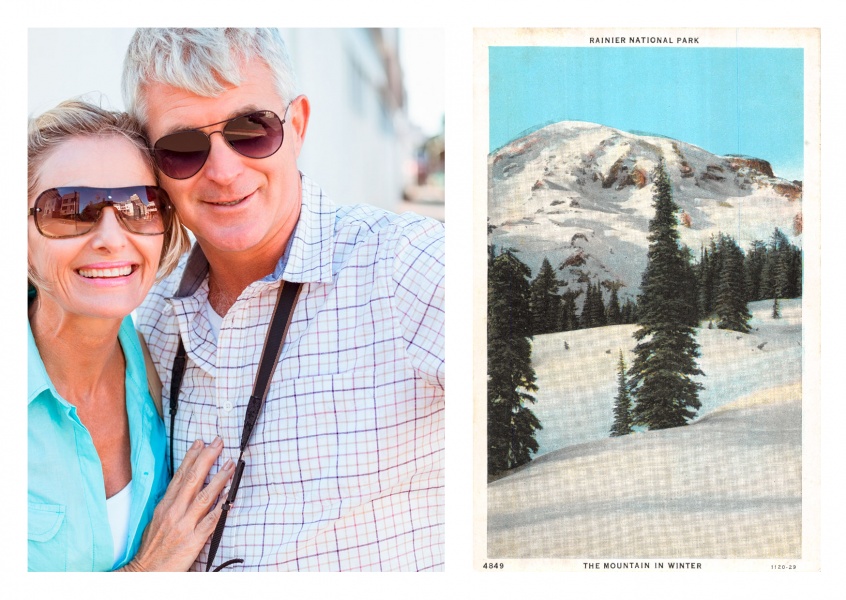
x=77, y=118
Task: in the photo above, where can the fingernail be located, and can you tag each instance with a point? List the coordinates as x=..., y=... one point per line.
x=217, y=442
x=197, y=444
x=228, y=464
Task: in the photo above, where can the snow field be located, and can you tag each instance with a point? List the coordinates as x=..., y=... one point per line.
x=576, y=387
x=727, y=486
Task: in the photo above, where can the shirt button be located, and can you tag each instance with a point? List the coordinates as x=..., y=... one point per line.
x=227, y=406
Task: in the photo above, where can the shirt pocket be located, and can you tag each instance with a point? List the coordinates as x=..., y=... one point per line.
x=47, y=546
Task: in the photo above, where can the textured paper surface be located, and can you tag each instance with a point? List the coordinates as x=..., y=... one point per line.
x=738, y=488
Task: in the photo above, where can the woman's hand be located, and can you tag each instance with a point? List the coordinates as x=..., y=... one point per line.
x=182, y=522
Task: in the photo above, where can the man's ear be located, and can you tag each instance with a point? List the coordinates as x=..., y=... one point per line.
x=298, y=114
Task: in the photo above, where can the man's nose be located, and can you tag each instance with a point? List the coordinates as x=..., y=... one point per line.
x=223, y=165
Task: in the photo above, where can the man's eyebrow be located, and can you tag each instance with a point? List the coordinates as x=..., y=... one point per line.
x=244, y=110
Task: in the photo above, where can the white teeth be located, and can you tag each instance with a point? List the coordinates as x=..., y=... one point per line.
x=115, y=272
x=233, y=203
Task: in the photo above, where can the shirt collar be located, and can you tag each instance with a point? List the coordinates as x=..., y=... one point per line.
x=39, y=381
x=307, y=257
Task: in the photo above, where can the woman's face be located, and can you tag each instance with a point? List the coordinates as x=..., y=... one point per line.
x=107, y=272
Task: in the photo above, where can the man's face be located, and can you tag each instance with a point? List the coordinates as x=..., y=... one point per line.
x=234, y=204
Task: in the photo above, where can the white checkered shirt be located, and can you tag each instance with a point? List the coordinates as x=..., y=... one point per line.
x=344, y=470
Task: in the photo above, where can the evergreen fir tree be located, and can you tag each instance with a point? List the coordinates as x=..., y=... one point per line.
x=731, y=293
x=622, y=403
x=706, y=302
x=626, y=312
x=586, y=316
x=569, y=318
x=767, y=289
x=545, y=303
x=511, y=378
x=776, y=309
x=689, y=288
x=629, y=311
x=615, y=315
x=754, y=267
x=793, y=268
x=781, y=274
x=780, y=247
x=779, y=241
x=665, y=356
x=597, y=308
x=708, y=277
x=797, y=272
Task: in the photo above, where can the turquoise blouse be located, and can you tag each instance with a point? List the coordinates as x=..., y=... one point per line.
x=68, y=523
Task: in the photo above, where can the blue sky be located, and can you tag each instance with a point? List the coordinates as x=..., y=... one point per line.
x=726, y=100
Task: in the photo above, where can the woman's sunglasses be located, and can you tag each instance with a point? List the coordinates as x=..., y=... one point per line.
x=182, y=154
x=71, y=211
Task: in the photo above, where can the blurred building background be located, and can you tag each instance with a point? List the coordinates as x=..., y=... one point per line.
x=363, y=143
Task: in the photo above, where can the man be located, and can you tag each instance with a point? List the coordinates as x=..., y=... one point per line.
x=344, y=470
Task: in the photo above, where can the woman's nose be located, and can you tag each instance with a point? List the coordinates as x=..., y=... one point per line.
x=108, y=232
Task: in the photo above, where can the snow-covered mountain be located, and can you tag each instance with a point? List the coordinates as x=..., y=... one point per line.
x=580, y=194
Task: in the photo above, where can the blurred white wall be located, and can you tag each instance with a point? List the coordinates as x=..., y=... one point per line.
x=360, y=142
x=357, y=143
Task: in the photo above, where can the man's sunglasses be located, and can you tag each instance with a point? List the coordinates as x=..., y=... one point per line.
x=71, y=211
x=258, y=134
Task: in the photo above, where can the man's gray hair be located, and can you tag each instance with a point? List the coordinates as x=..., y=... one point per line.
x=200, y=61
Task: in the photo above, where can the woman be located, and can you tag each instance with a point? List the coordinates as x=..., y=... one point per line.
x=100, y=233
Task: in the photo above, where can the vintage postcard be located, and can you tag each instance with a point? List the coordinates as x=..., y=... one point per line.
x=647, y=382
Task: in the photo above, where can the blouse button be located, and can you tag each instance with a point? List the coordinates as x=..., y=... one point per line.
x=227, y=406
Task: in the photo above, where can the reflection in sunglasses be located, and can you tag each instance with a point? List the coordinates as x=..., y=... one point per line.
x=67, y=212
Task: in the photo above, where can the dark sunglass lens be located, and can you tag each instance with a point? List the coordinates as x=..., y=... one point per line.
x=181, y=155
x=257, y=135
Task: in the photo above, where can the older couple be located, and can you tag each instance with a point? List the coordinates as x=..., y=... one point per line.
x=299, y=346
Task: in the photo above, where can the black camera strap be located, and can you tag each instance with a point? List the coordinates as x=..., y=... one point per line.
x=281, y=319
